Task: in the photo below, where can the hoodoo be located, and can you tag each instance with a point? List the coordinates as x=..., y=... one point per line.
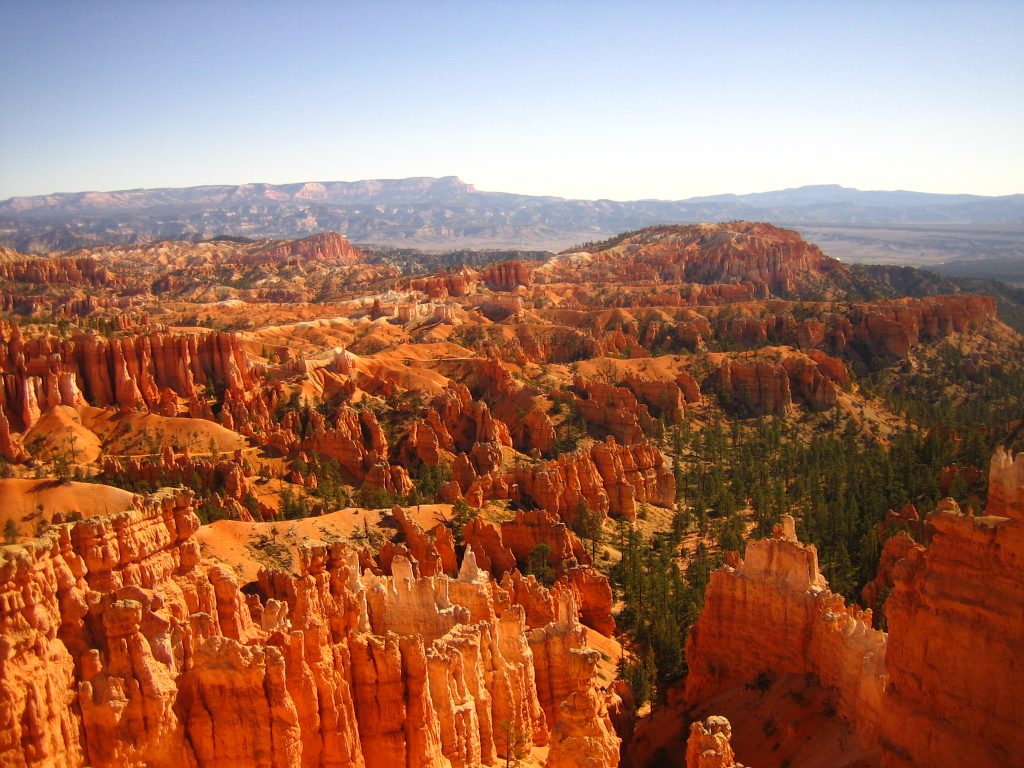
x=122, y=647
x=955, y=619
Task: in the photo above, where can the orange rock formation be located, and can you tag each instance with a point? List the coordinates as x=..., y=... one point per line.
x=120, y=646
x=956, y=625
x=943, y=688
x=708, y=745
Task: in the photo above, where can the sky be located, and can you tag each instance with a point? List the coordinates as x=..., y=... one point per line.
x=576, y=99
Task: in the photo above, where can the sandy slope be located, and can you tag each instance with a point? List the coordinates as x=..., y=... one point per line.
x=247, y=547
x=28, y=501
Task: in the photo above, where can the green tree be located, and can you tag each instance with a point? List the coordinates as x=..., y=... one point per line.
x=538, y=564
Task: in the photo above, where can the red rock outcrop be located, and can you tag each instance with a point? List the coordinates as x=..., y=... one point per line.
x=528, y=530
x=709, y=744
x=607, y=477
x=773, y=613
x=454, y=423
x=593, y=596
x=956, y=623
x=433, y=552
x=943, y=687
x=757, y=257
x=614, y=408
x=228, y=478
x=893, y=327
x=664, y=398
x=355, y=440
x=140, y=371
x=458, y=283
x=583, y=736
x=507, y=275
x=485, y=539
x=121, y=647
x=326, y=247
x=82, y=270
x=813, y=381
x=1006, y=486
x=877, y=590
x=760, y=385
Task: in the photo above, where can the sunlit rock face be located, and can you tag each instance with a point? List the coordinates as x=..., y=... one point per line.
x=121, y=646
x=709, y=746
x=956, y=625
x=943, y=687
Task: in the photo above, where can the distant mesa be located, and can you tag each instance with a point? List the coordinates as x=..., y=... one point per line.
x=446, y=212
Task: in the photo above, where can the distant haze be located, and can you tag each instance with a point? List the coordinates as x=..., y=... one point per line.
x=584, y=100
x=981, y=235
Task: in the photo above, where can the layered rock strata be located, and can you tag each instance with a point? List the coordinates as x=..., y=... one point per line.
x=120, y=646
x=773, y=613
x=146, y=371
x=956, y=625
x=944, y=687
x=606, y=476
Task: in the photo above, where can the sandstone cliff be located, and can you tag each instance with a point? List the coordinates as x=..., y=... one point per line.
x=760, y=258
x=145, y=371
x=121, y=646
x=956, y=624
x=773, y=613
x=943, y=687
x=607, y=477
x=327, y=247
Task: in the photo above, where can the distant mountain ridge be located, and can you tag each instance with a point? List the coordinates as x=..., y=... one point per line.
x=446, y=212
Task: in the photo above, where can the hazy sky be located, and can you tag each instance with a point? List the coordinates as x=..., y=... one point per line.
x=577, y=99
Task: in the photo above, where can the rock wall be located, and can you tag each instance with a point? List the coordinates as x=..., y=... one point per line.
x=327, y=247
x=120, y=646
x=944, y=687
x=84, y=270
x=773, y=613
x=507, y=275
x=607, y=477
x=956, y=625
x=143, y=371
x=614, y=408
x=762, y=386
x=756, y=258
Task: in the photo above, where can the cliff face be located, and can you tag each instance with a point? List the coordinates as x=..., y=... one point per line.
x=133, y=372
x=508, y=275
x=956, y=625
x=607, y=477
x=708, y=745
x=773, y=613
x=943, y=688
x=84, y=270
x=120, y=646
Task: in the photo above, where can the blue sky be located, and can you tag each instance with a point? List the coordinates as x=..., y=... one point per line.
x=616, y=100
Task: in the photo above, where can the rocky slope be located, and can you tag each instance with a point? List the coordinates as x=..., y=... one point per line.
x=762, y=259
x=151, y=371
x=122, y=646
